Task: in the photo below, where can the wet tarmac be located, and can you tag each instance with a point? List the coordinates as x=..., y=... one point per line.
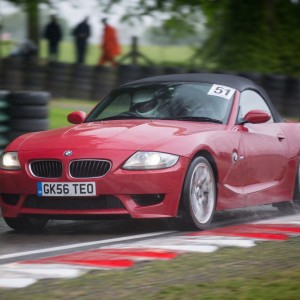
x=84, y=233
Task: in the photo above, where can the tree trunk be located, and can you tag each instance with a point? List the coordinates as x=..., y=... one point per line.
x=32, y=11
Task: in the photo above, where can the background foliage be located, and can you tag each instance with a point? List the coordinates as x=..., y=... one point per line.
x=248, y=35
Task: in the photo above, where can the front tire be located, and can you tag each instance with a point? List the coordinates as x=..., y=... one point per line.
x=199, y=194
x=27, y=223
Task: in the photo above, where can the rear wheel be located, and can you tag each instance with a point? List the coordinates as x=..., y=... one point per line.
x=285, y=207
x=27, y=223
x=199, y=194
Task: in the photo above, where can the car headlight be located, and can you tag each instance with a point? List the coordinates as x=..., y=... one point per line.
x=10, y=161
x=150, y=161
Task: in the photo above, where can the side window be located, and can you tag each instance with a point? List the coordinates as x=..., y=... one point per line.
x=251, y=100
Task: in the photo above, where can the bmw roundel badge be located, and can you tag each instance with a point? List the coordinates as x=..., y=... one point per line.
x=68, y=153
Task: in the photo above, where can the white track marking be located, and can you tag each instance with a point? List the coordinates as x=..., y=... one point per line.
x=189, y=243
x=288, y=220
x=39, y=271
x=20, y=275
x=16, y=282
x=185, y=248
x=79, y=245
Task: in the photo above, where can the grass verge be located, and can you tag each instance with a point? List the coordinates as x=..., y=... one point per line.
x=271, y=270
x=60, y=108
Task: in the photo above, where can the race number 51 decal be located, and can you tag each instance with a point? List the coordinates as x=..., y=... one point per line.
x=221, y=91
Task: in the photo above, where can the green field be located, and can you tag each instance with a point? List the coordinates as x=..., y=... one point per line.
x=60, y=108
x=158, y=54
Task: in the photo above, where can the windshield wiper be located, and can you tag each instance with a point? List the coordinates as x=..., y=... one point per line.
x=199, y=119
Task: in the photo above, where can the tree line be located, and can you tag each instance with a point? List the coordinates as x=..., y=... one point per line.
x=244, y=35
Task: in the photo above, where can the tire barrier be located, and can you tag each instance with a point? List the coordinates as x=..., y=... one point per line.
x=81, y=82
x=12, y=73
x=275, y=85
x=28, y=112
x=59, y=77
x=4, y=120
x=104, y=79
x=127, y=73
x=93, y=82
x=35, y=77
x=255, y=77
x=291, y=106
x=148, y=71
x=173, y=70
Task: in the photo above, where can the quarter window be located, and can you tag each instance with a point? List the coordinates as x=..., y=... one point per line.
x=250, y=100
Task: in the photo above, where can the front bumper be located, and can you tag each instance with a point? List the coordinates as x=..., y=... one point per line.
x=139, y=194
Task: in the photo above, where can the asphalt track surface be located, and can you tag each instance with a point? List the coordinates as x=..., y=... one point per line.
x=61, y=237
x=71, y=249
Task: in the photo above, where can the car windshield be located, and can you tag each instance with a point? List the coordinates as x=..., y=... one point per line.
x=171, y=101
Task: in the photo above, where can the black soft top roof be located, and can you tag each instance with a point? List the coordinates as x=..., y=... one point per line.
x=237, y=82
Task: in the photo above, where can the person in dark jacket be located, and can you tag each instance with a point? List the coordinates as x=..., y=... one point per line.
x=53, y=34
x=81, y=34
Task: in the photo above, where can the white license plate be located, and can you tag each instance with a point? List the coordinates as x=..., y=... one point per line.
x=58, y=189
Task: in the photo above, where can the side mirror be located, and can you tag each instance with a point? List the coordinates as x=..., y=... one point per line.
x=256, y=116
x=76, y=117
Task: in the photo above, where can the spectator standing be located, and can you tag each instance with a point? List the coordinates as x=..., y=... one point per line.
x=53, y=34
x=110, y=45
x=81, y=34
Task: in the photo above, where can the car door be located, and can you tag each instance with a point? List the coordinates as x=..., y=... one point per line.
x=265, y=149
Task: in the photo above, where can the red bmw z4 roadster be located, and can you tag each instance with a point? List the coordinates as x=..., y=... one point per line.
x=172, y=146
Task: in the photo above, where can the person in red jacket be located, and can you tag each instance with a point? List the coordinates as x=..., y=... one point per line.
x=110, y=45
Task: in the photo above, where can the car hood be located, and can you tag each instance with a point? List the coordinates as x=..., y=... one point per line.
x=119, y=134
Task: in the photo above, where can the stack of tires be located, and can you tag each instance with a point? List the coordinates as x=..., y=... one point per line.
x=292, y=98
x=127, y=73
x=28, y=112
x=275, y=85
x=13, y=71
x=173, y=70
x=59, y=75
x=81, y=82
x=4, y=120
x=255, y=77
x=35, y=76
x=149, y=71
x=104, y=79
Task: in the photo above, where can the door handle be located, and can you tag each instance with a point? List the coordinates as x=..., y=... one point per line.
x=280, y=137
